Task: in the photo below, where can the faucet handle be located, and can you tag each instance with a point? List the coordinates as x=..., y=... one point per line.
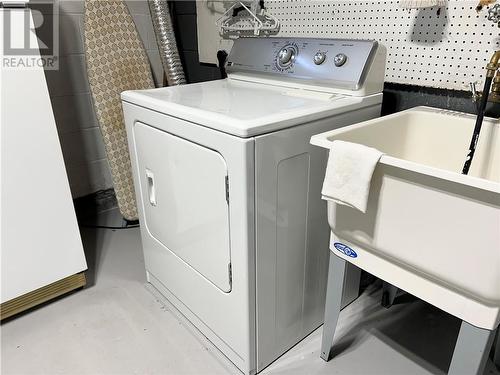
x=494, y=14
x=475, y=93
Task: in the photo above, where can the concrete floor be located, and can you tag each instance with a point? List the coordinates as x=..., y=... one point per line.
x=120, y=325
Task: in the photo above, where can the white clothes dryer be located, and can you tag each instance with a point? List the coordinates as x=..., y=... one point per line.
x=233, y=229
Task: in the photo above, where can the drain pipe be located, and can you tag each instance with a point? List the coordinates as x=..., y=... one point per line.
x=165, y=38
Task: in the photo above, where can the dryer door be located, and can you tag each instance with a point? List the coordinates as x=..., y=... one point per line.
x=183, y=188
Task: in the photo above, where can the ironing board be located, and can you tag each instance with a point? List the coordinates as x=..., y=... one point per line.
x=116, y=61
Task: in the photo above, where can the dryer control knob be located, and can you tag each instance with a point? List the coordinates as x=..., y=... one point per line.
x=319, y=58
x=339, y=59
x=286, y=55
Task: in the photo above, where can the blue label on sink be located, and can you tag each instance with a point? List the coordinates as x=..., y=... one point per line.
x=346, y=250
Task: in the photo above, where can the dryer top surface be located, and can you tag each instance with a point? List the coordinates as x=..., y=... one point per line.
x=244, y=108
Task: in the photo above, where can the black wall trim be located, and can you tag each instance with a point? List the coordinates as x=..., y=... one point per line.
x=398, y=97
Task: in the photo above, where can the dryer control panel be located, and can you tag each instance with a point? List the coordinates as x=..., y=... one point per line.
x=335, y=62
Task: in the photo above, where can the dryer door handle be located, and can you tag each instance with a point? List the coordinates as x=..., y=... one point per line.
x=151, y=187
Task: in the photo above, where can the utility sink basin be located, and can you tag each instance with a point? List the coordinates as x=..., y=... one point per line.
x=428, y=229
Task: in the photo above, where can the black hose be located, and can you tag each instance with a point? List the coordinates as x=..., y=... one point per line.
x=221, y=58
x=479, y=123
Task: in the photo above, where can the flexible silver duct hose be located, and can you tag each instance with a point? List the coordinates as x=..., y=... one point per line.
x=165, y=38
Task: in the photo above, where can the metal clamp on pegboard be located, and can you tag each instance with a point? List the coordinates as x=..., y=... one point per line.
x=245, y=17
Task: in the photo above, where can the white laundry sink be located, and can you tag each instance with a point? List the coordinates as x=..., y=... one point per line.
x=428, y=229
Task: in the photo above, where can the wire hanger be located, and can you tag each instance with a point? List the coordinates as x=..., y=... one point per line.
x=254, y=19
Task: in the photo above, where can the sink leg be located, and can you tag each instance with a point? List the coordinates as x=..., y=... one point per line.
x=471, y=350
x=496, y=354
x=335, y=286
x=389, y=292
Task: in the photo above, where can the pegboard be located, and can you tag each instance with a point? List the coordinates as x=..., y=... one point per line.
x=448, y=48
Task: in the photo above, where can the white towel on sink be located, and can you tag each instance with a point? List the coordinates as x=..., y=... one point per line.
x=349, y=173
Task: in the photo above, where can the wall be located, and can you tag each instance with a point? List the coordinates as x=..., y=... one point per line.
x=397, y=97
x=184, y=17
x=79, y=134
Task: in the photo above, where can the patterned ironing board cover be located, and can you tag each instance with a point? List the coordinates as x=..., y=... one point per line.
x=116, y=61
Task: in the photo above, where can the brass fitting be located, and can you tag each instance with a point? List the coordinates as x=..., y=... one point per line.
x=495, y=89
x=493, y=65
